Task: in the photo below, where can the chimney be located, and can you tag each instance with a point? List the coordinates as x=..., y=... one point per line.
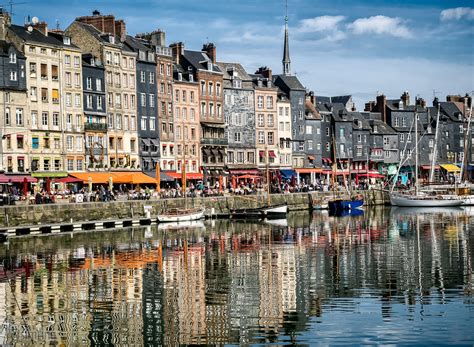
x=369, y=106
x=42, y=27
x=104, y=23
x=421, y=102
x=406, y=99
x=210, y=49
x=265, y=72
x=5, y=22
x=158, y=38
x=381, y=106
x=435, y=102
x=178, y=50
x=121, y=30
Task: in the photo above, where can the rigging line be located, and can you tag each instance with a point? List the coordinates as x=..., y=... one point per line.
x=17, y=303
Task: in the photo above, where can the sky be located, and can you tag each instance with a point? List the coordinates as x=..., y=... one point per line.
x=337, y=47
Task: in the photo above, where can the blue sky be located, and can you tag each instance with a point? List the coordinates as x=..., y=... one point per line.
x=337, y=47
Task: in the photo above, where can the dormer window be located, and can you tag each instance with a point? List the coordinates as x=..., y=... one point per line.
x=111, y=39
x=67, y=40
x=259, y=83
x=180, y=76
x=269, y=84
x=191, y=78
x=92, y=61
x=237, y=83
x=209, y=65
x=13, y=58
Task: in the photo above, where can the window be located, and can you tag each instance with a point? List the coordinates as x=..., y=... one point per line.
x=34, y=118
x=116, y=59
x=309, y=129
x=152, y=78
x=386, y=141
x=118, y=100
x=152, y=123
x=260, y=102
x=261, y=120
x=143, y=123
x=35, y=142
x=55, y=96
x=110, y=121
x=46, y=142
x=359, y=138
x=99, y=102
x=402, y=137
x=67, y=60
x=261, y=137
x=77, y=100
x=56, y=119
x=12, y=57
x=270, y=137
x=168, y=70
x=237, y=137
x=210, y=87
x=142, y=76
x=118, y=121
x=70, y=164
x=152, y=100
x=98, y=84
x=142, y=99
x=76, y=61
x=44, y=118
x=13, y=76
x=70, y=143
x=404, y=121
x=133, y=123
x=89, y=83
x=342, y=132
x=310, y=145
x=19, y=116
x=270, y=120
x=270, y=102
x=89, y=101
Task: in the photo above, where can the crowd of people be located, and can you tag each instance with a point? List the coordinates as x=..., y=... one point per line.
x=105, y=193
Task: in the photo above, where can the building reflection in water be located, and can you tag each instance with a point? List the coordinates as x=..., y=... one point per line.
x=236, y=283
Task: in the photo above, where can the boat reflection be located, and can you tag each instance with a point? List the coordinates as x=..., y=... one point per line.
x=222, y=282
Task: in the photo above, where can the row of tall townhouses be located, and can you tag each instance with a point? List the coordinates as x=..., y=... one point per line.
x=94, y=98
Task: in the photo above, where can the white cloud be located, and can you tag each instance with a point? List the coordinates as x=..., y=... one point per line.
x=319, y=24
x=457, y=13
x=381, y=25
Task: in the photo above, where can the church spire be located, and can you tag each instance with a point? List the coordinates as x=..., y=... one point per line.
x=286, y=48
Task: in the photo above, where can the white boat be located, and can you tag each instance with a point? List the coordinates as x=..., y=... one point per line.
x=191, y=224
x=277, y=222
x=417, y=200
x=181, y=215
x=467, y=200
x=275, y=211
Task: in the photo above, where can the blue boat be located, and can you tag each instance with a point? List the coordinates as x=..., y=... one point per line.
x=345, y=204
x=344, y=213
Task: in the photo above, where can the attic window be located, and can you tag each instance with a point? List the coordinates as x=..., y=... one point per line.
x=209, y=66
x=67, y=40
x=13, y=58
x=191, y=78
x=375, y=128
x=180, y=76
x=111, y=39
x=236, y=83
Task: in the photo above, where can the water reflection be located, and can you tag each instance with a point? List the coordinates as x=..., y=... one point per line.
x=387, y=276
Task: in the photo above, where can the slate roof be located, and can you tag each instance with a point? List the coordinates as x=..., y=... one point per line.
x=291, y=82
x=225, y=68
x=184, y=73
x=198, y=60
x=86, y=58
x=5, y=49
x=451, y=110
x=360, y=119
x=60, y=38
x=344, y=99
x=34, y=36
x=100, y=36
x=382, y=127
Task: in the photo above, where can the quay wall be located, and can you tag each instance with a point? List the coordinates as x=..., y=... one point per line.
x=28, y=215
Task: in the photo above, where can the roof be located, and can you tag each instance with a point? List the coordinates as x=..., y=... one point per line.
x=86, y=61
x=451, y=109
x=34, y=36
x=292, y=82
x=5, y=49
x=226, y=68
x=344, y=99
x=60, y=38
x=178, y=69
x=359, y=118
x=311, y=111
x=100, y=36
x=382, y=127
x=199, y=60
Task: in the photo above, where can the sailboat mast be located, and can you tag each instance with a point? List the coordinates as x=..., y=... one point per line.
x=466, y=146
x=435, y=149
x=334, y=171
x=268, y=178
x=416, y=152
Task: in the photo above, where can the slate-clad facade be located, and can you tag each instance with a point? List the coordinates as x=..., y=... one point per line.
x=147, y=109
x=95, y=110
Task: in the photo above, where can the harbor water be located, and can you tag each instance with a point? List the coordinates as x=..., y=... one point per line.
x=384, y=276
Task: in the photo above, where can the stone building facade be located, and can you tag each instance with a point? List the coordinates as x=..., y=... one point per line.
x=239, y=113
x=284, y=131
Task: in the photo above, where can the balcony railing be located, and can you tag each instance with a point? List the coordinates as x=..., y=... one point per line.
x=95, y=127
x=214, y=141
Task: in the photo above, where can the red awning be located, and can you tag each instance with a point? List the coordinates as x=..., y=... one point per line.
x=310, y=157
x=243, y=172
x=372, y=175
x=21, y=179
x=3, y=179
x=189, y=175
x=68, y=180
x=261, y=154
x=271, y=154
x=428, y=167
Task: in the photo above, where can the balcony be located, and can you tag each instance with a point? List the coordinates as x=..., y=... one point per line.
x=95, y=127
x=214, y=141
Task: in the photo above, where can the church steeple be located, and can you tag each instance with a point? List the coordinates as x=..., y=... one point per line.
x=286, y=48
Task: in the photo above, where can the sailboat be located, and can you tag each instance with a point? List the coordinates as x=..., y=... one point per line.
x=463, y=190
x=418, y=198
x=265, y=212
x=178, y=214
x=337, y=205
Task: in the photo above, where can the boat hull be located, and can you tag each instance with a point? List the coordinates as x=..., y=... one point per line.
x=275, y=212
x=403, y=201
x=467, y=200
x=341, y=205
x=181, y=217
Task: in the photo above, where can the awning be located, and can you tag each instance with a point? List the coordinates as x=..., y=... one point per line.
x=288, y=173
x=164, y=177
x=450, y=167
x=214, y=125
x=243, y=172
x=327, y=160
x=155, y=142
x=206, y=151
x=310, y=157
x=49, y=174
x=194, y=176
x=271, y=154
x=222, y=152
x=214, y=152
x=146, y=142
x=309, y=170
x=21, y=178
x=134, y=178
x=428, y=167
x=68, y=180
x=117, y=177
x=261, y=154
x=3, y=179
x=372, y=175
